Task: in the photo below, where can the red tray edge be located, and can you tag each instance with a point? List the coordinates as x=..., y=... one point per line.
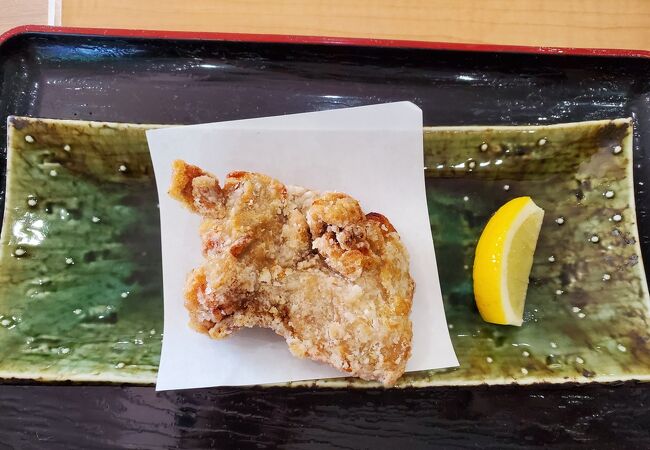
x=293, y=39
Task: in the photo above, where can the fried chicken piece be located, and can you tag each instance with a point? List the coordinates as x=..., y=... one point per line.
x=333, y=281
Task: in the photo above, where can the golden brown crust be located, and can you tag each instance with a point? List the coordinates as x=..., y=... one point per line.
x=333, y=281
x=381, y=219
x=198, y=190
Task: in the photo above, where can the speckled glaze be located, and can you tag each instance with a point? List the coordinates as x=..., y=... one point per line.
x=80, y=270
x=587, y=308
x=80, y=276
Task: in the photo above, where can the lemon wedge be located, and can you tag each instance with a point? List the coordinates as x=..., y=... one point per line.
x=503, y=259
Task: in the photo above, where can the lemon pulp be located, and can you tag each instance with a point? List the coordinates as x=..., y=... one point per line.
x=503, y=261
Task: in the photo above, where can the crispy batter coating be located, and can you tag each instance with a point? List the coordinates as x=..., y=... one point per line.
x=333, y=281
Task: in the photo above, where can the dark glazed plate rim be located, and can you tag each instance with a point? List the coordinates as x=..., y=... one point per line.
x=319, y=40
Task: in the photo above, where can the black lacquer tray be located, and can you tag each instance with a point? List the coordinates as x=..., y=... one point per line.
x=141, y=77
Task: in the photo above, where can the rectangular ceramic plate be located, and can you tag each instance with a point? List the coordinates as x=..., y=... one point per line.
x=80, y=267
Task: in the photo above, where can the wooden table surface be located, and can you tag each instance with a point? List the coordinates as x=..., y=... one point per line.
x=565, y=23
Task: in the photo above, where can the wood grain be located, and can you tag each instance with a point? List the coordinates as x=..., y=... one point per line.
x=20, y=12
x=582, y=23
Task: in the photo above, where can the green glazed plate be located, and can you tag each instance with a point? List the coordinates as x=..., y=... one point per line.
x=80, y=269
